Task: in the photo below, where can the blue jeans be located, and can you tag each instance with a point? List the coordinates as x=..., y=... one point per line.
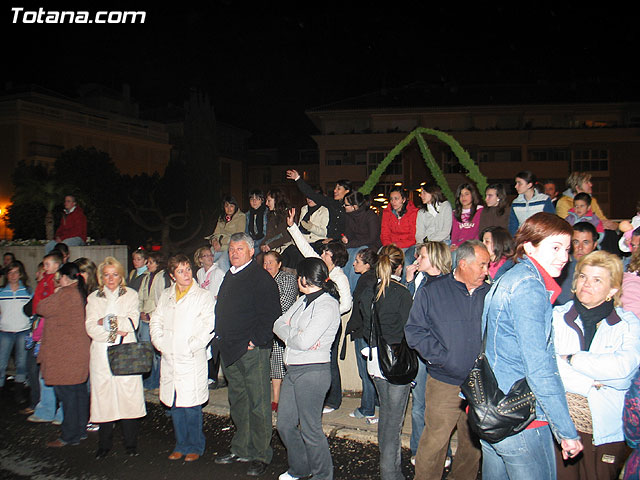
x=48, y=408
x=150, y=380
x=187, y=425
x=15, y=340
x=75, y=403
x=301, y=400
x=417, y=406
x=348, y=268
x=393, y=405
x=529, y=455
x=369, y=394
x=70, y=242
x=221, y=258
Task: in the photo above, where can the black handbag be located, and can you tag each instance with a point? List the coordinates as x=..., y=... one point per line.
x=398, y=363
x=130, y=358
x=492, y=415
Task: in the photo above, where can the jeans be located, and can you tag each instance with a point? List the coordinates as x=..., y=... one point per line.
x=393, y=405
x=348, y=268
x=48, y=408
x=221, y=258
x=369, y=394
x=249, y=393
x=417, y=406
x=334, y=395
x=15, y=340
x=301, y=401
x=527, y=455
x=150, y=380
x=33, y=375
x=70, y=242
x=75, y=404
x=187, y=425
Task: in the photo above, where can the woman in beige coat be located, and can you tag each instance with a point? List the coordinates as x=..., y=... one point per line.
x=112, y=315
x=181, y=328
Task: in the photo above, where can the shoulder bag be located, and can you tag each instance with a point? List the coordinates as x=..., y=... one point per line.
x=130, y=358
x=494, y=416
x=398, y=363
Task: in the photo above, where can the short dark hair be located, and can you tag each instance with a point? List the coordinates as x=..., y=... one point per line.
x=585, y=197
x=256, y=193
x=338, y=252
x=528, y=176
x=62, y=247
x=346, y=184
x=177, y=260
x=368, y=256
x=586, y=227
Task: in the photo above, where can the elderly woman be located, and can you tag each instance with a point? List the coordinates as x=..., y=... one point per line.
x=64, y=353
x=288, y=289
x=598, y=348
x=231, y=221
x=181, y=328
x=518, y=317
x=308, y=330
x=112, y=316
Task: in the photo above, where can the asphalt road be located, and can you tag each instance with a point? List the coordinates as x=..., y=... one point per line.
x=23, y=454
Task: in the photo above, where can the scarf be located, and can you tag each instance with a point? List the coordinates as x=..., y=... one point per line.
x=591, y=317
x=256, y=222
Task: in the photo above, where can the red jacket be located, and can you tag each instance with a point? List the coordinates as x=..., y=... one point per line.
x=73, y=224
x=45, y=288
x=401, y=231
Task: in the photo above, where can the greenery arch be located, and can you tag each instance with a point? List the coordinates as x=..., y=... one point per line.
x=473, y=172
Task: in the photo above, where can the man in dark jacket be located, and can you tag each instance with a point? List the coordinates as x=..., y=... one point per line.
x=444, y=327
x=248, y=305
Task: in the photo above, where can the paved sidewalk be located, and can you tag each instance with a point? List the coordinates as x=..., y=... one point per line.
x=335, y=424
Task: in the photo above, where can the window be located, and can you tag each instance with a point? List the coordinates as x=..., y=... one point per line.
x=346, y=157
x=590, y=160
x=549, y=155
x=499, y=156
x=375, y=158
x=450, y=163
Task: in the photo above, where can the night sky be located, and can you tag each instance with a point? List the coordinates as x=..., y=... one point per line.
x=264, y=63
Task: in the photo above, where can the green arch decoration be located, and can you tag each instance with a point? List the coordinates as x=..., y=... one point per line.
x=473, y=172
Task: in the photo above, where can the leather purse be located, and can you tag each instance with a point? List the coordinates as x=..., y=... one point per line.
x=398, y=363
x=130, y=358
x=492, y=415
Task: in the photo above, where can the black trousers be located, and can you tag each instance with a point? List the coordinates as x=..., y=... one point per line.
x=129, y=432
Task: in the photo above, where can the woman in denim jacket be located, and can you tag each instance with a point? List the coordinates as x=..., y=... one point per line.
x=520, y=344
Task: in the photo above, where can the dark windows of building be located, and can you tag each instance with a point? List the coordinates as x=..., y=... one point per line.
x=501, y=155
x=375, y=158
x=346, y=157
x=590, y=160
x=549, y=155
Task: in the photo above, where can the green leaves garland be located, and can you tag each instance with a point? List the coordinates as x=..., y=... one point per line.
x=473, y=172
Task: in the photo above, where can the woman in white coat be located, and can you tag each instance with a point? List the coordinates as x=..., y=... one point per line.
x=112, y=316
x=181, y=328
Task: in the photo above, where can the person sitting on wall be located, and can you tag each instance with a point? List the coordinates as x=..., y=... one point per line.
x=73, y=226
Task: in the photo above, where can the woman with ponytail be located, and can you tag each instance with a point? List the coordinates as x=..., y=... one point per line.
x=392, y=302
x=308, y=330
x=64, y=352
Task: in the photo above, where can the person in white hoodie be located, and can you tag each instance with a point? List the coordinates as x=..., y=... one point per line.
x=308, y=330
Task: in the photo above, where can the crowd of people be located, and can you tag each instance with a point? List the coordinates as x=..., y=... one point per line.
x=537, y=283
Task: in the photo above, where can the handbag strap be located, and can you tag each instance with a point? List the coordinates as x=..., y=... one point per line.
x=485, y=320
x=135, y=334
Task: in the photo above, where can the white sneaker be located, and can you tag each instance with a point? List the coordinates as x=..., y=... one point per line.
x=372, y=420
x=327, y=410
x=413, y=460
x=447, y=462
x=287, y=476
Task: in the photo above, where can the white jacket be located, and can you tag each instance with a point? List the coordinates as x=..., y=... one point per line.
x=336, y=275
x=317, y=224
x=181, y=331
x=308, y=332
x=612, y=361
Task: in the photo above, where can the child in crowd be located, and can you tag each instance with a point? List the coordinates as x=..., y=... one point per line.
x=581, y=212
x=140, y=270
x=45, y=410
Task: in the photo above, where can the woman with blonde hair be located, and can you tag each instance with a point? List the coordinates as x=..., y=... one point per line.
x=112, y=317
x=579, y=182
x=597, y=345
x=392, y=302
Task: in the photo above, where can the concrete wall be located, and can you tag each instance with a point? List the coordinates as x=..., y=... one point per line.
x=32, y=256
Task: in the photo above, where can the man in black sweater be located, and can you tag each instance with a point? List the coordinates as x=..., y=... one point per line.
x=444, y=327
x=248, y=305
